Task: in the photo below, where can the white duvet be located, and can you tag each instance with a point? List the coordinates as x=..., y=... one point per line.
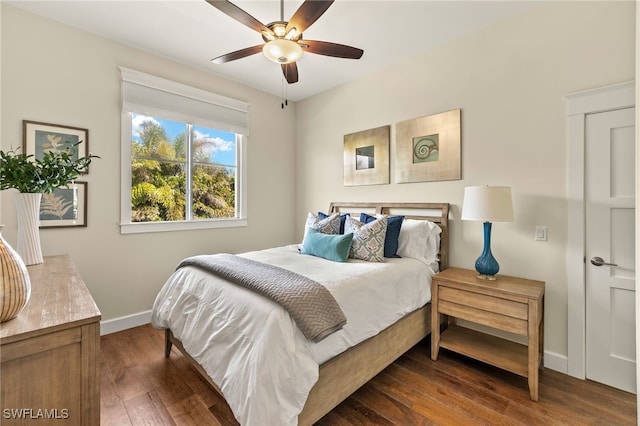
x=251, y=347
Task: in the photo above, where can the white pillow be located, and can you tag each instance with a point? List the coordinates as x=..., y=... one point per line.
x=419, y=239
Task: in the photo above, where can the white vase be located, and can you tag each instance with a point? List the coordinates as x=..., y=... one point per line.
x=15, y=285
x=28, y=210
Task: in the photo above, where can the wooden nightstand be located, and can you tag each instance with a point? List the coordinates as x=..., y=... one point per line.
x=511, y=304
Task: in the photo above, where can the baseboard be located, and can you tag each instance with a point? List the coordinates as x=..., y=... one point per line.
x=126, y=322
x=555, y=361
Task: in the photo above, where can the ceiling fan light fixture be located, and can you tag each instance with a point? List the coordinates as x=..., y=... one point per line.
x=283, y=41
x=292, y=34
x=268, y=36
x=279, y=30
x=282, y=51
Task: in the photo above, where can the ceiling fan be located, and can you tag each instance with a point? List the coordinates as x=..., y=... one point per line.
x=283, y=39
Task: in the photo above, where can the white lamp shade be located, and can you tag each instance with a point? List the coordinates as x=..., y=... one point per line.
x=487, y=203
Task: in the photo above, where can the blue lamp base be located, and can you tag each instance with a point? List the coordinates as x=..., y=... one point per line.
x=486, y=265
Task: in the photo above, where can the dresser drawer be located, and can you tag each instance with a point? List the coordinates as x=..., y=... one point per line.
x=503, y=314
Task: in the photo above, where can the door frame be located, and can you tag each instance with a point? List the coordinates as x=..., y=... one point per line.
x=578, y=106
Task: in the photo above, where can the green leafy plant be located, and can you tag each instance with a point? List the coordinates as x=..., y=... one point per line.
x=56, y=169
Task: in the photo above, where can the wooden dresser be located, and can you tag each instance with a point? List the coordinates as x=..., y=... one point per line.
x=49, y=353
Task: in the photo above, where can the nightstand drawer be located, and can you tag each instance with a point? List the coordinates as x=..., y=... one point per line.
x=496, y=312
x=506, y=307
x=491, y=319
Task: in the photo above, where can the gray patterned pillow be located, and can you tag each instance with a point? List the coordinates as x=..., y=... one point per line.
x=329, y=225
x=368, y=239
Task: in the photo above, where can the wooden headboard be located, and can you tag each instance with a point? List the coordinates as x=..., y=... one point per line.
x=434, y=212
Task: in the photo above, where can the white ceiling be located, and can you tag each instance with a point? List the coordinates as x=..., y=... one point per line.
x=193, y=32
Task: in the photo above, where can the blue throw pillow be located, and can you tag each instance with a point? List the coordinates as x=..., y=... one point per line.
x=329, y=246
x=343, y=217
x=394, y=223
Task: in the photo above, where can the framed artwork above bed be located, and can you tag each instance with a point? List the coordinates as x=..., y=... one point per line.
x=428, y=148
x=366, y=157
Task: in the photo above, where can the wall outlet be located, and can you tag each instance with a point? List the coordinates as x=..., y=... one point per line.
x=541, y=233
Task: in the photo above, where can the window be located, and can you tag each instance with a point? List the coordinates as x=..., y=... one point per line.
x=182, y=156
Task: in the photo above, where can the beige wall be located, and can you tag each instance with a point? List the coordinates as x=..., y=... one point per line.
x=509, y=80
x=56, y=74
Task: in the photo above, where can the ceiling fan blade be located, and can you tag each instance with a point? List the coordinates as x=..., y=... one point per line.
x=238, y=54
x=331, y=49
x=239, y=15
x=290, y=72
x=307, y=14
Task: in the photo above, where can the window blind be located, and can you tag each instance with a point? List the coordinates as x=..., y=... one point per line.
x=147, y=94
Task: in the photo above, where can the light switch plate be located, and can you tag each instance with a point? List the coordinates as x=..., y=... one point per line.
x=541, y=233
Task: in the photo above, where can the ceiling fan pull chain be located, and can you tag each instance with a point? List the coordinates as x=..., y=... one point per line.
x=284, y=94
x=285, y=101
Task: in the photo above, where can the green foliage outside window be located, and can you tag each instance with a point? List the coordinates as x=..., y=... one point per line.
x=159, y=181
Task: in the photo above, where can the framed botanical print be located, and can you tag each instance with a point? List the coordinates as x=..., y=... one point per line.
x=64, y=207
x=39, y=138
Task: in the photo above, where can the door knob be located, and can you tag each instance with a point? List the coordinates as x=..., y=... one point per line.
x=598, y=261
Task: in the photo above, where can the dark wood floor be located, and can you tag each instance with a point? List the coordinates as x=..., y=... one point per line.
x=142, y=387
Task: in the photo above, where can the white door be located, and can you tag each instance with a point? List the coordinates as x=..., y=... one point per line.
x=610, y=239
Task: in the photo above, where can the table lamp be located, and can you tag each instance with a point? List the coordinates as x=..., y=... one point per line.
x=489, y=204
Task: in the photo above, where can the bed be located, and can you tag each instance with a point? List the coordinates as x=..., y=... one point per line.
x=334, y=376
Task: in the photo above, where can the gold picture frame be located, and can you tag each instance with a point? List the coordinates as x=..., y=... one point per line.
x=428, y=148
x=366, y=157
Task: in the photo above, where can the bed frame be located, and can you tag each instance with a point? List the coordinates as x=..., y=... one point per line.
x=345, y=373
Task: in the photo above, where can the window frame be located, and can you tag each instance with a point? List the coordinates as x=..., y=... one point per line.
x=129, y=227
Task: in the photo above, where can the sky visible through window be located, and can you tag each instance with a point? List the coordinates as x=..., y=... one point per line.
x=222, y=146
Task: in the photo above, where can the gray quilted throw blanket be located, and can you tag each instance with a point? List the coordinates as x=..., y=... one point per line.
x=310, y=304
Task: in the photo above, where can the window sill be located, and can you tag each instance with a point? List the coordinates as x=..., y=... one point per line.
x=145, y=227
